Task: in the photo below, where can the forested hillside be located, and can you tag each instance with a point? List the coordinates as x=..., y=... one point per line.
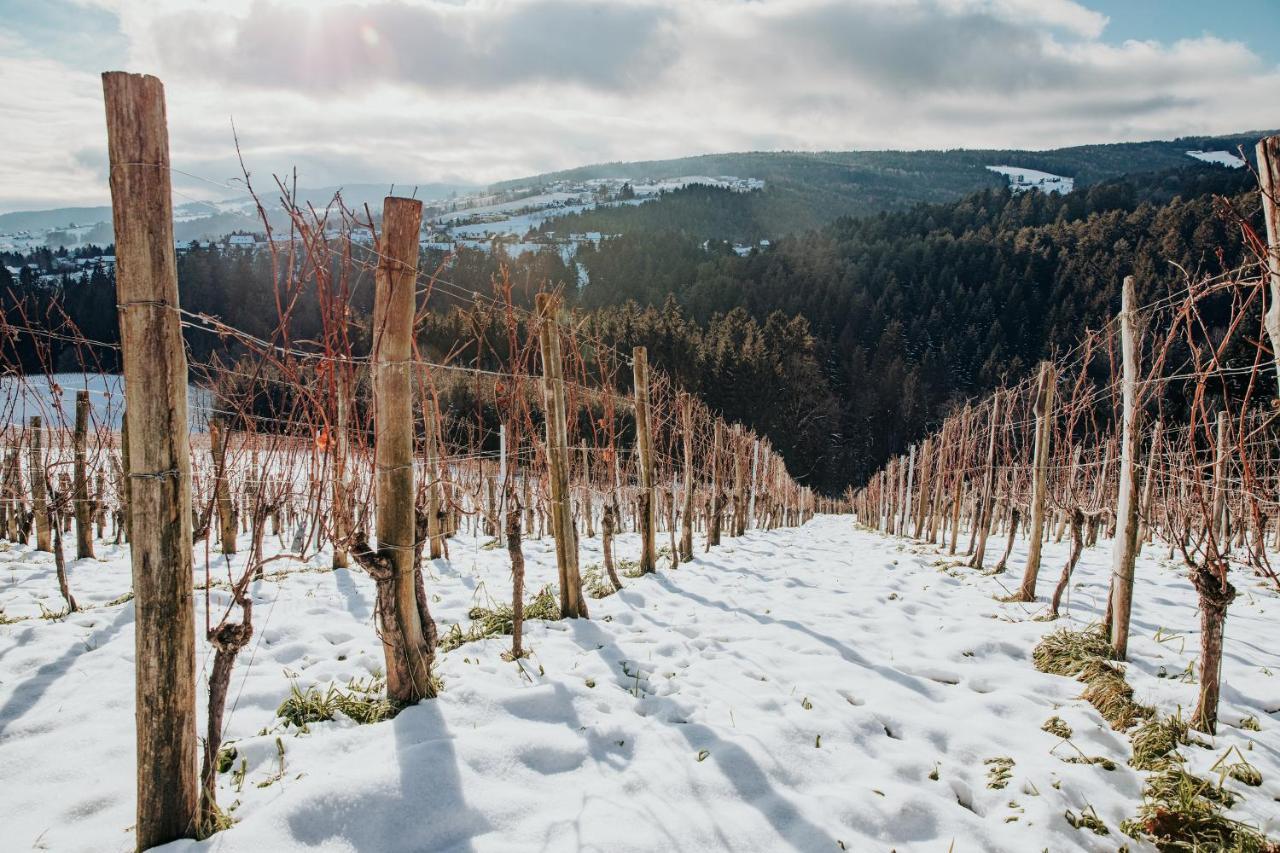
x=913, y=311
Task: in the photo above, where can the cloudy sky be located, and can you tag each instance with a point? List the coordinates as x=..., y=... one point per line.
x=480, y=90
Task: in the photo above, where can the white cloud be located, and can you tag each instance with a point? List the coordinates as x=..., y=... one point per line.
x=392, y=90
x=51, y=117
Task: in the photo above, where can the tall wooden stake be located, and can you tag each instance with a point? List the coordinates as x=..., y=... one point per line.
x=435, y=516
x=713, y=519
x=406, y=626
x=982, y=515
x=155, y=375
x=39, y=486
x=572, y=602
x=644, y=443
x=221, y=488
x=1124, y=549
x=1148, y=489
x=340, y=512
x=80, y=491
x=686, y=517
x=1039, y=480
x=904, y=521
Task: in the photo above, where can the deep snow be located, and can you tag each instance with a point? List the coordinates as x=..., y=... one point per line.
x=791, y=690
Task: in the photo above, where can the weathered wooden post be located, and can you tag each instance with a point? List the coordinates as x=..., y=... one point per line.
x=1124, y=548
x=39, y=486
x=982, y=514
x=904, y=520
x=516, y=554
x=80, y=489
x=686, y=516
x=340, y=510
x=1039, y=480
x=435, y=517
x=221, y=488
x=939, y=475
x=741, y=442
x=7, y=496
x=503, y=485
x=14, y=531
x=408, y=634
x=572, y=602
x=125, y=489
x=155, y=375
x=1219, y=524
x=644, y=445
x=716, y=507
x=923, y=488
x=1148, y=489
x=100, y=504
x=958, y=479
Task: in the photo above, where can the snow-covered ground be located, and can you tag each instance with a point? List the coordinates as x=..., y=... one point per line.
x=1222, y=158
x=1021, y=180
x=518, y=225
x=53, y=398
x=724, y=182
x=531, y=212
x=821, y=688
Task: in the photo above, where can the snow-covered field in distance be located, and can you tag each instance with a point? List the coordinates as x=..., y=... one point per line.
x=556, y=203
x=53, y=398
x=1222, y=158
x=1021, y=180
x=814, y=689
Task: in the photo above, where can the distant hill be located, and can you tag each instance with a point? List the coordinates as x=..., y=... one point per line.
x=32, y=220
x=208, y=220
x=805, y=190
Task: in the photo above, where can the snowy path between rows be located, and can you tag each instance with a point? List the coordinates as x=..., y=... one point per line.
x=791, y=690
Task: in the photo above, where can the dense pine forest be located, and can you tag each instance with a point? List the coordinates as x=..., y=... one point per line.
x=842, y=343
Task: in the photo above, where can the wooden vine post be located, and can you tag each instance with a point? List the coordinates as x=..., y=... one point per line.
x=644, y=444
x=340, y=513
x=714, y=509
x=982, y=513
x=1214, y=592
x=1269, y=181
x=39, y=486
x=155, y=375
x=958, y=481
x=686, y=517
x=572, y=602
x=435, y=516
x=1148, y=490
x=1039, y=479
x=221, y=488
x=739, y=482
x=904, y=520
x=1219, y=535
x=1124, y=549
x=83, y=508
x=408, y=634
